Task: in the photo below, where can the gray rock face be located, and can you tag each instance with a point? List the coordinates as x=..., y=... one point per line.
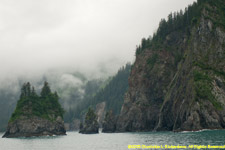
x=89, y=128
x=166, y=93
x=34, y=126
x=100, y=112
x=90, y=125
x=196, y=97
x=109, y=123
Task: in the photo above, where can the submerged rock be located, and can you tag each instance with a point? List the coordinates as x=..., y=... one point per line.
x=36, y=115
x=90, y=125
x=109, y=123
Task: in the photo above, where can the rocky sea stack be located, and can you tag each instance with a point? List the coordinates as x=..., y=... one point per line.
x=109, y=123
x=36, y=115
x=90, y=125
x=177, y=82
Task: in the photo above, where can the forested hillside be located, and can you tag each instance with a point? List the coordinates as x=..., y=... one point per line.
x=112, y=92
x=178, y=79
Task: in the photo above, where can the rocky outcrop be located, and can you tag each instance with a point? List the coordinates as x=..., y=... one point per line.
x=100, y=112
x=36, y=115
x=179, y=85
x=35, y=126
x=90, y=125
x=109, y=123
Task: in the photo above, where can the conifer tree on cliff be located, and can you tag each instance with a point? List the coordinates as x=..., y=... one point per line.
x=45, y=90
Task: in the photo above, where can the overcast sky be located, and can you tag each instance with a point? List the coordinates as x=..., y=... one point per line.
x=41, y=35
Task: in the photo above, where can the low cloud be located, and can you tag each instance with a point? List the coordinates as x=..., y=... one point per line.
x=95, y=38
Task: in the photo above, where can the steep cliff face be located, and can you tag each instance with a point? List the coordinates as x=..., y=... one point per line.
x=197, y=95
x=180, y=85
x=147, y=85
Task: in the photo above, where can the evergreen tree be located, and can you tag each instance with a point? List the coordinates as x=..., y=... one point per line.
x=90, y=124
x=90, y=116
x=45, y=90
x=56, y=95
x=46, y=106
x=33, y=92
x=180, y=22
x=25, y=90
x=28, y=89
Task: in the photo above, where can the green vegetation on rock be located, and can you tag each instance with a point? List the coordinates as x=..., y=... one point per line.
x=90, y=125
x=185, y=85
x=90, y=116
x=152, y=60
x=44, y=106
x=209, y=68
x=182, y=21
x=203, y=88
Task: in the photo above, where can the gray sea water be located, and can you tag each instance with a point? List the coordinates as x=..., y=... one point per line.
x=114, y=141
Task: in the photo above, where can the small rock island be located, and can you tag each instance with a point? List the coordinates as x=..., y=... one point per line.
x=36, y=115
x=90, y=125
x=109, y=123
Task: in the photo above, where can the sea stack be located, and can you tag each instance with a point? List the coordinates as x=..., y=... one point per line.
x=36, y=115
x=90, y=125
x=109, y=123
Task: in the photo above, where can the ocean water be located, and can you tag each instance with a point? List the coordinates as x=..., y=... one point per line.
x=115, y=141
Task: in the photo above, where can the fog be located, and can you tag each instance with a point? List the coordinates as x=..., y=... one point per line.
x=87, y=35
x=54, y=39
x=70, y=42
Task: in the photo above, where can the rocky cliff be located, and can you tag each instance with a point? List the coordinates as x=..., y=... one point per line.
x=36, y=115
x=178, y=79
